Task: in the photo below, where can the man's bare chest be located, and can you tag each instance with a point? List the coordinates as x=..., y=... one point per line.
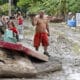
x=41, y=21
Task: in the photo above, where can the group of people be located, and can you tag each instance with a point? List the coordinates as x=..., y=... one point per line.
x=40, y=22
x=9, y=30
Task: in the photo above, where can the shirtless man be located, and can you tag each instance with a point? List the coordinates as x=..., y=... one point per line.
x=41, y=32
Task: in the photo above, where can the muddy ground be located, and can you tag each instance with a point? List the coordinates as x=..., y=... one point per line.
x=64, y=45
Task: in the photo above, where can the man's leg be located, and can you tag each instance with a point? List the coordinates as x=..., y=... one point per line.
x=36, y=41
x=45, y=51
x=45, y=43
x=45, y=48
x=36, y=48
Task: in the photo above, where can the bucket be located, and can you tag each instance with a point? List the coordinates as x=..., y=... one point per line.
x=71, y=23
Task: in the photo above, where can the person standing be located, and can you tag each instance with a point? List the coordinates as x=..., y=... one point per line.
x=41, y=32
x=14, y=29
x=20, y=23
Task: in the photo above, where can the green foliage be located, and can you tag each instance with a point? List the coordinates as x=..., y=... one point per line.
x=52, y=7
x=23, y=5
x=3, y=1
x=0, y=2
x=74, y=5
x=4, y=8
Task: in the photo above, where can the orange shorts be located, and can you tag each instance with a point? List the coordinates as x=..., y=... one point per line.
x=41, y=38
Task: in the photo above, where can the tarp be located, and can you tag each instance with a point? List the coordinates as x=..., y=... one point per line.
x=25, y=50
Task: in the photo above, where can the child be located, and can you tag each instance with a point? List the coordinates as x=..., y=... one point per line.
x=12, y=27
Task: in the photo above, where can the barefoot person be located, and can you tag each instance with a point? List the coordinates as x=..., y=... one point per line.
x=41, y=32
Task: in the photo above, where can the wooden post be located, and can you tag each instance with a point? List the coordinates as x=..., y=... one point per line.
x=9, y=7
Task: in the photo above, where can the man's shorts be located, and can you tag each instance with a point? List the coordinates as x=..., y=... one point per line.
x=41, y=38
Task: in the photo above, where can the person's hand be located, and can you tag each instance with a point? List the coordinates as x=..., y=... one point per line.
x=48, y=34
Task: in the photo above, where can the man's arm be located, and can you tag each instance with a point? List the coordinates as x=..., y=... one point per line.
x=47, y=27
x=34, y=21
